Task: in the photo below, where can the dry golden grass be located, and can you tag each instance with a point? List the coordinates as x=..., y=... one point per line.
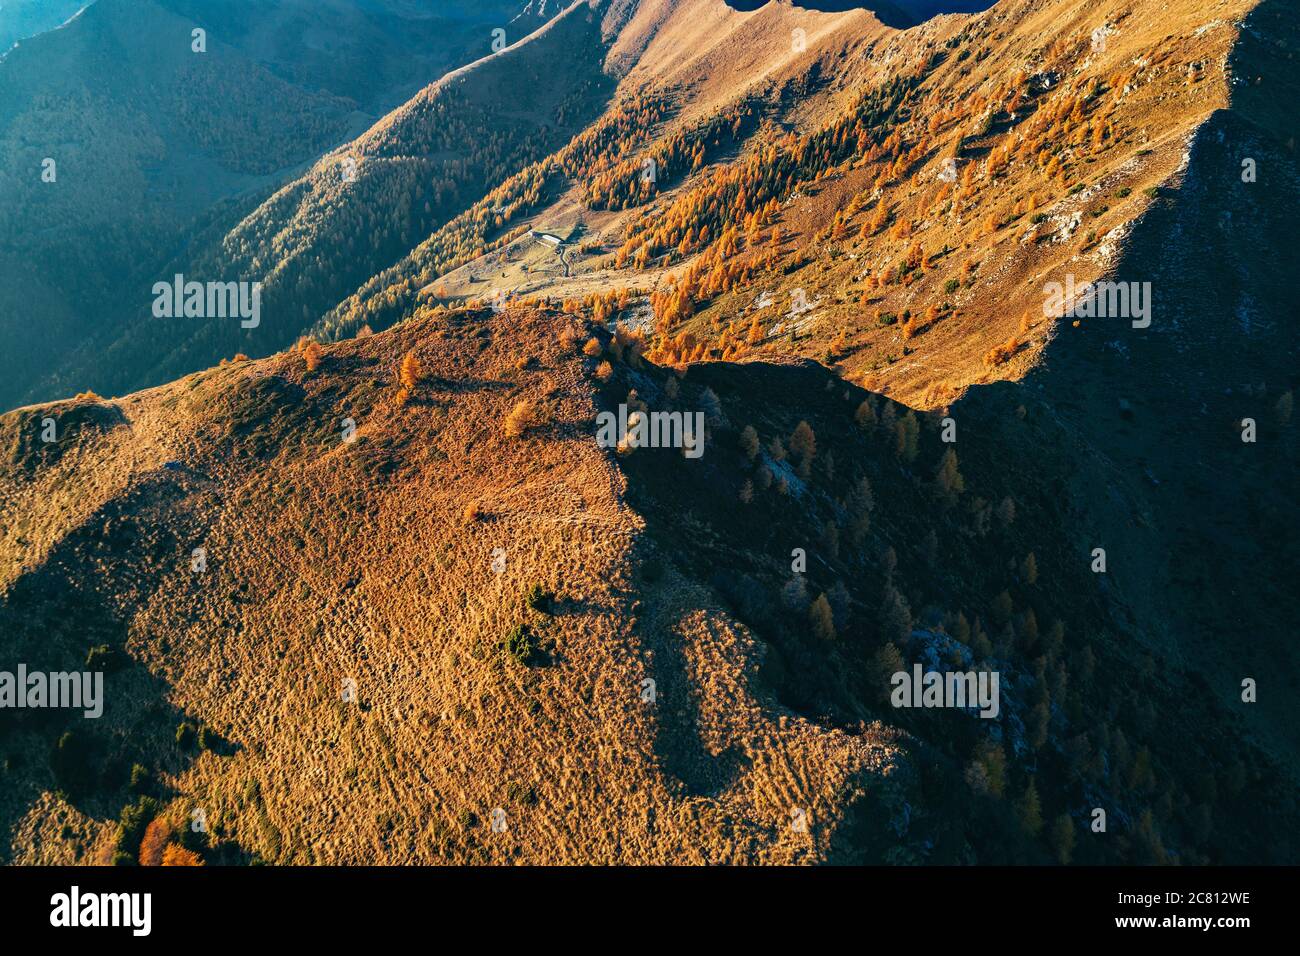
x=447, y=727
x=446, y=519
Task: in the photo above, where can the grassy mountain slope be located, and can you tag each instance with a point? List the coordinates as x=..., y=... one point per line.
x=922, y=186
x=499, y=587
x=499, y=598
x=450, y=724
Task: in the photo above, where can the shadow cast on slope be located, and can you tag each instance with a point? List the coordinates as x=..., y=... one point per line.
x=71, y=614
x=1209, y=523
x=846, y=583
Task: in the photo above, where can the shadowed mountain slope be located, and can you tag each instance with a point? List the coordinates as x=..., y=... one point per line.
x=122, y=145
x=360, y=207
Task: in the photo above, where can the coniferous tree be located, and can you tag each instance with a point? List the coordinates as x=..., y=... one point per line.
x=803, y=443
x=906, y=433
x=1029, y=811
x=885, y=663
x=895, y=615
x=821, y=619
x=948, y=480
x=865, y=416
x=1062, y=837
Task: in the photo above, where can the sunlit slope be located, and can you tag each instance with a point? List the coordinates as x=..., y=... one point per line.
x=400, y=559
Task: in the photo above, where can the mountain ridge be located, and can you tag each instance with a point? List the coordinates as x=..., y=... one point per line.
x=910, y=463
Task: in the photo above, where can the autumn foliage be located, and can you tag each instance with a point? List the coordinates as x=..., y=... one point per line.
x=521, y=418
x=177, y=855
x=154, y=843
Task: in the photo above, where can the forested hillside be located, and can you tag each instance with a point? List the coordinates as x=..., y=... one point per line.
x=359, y=208
x=122, y=144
